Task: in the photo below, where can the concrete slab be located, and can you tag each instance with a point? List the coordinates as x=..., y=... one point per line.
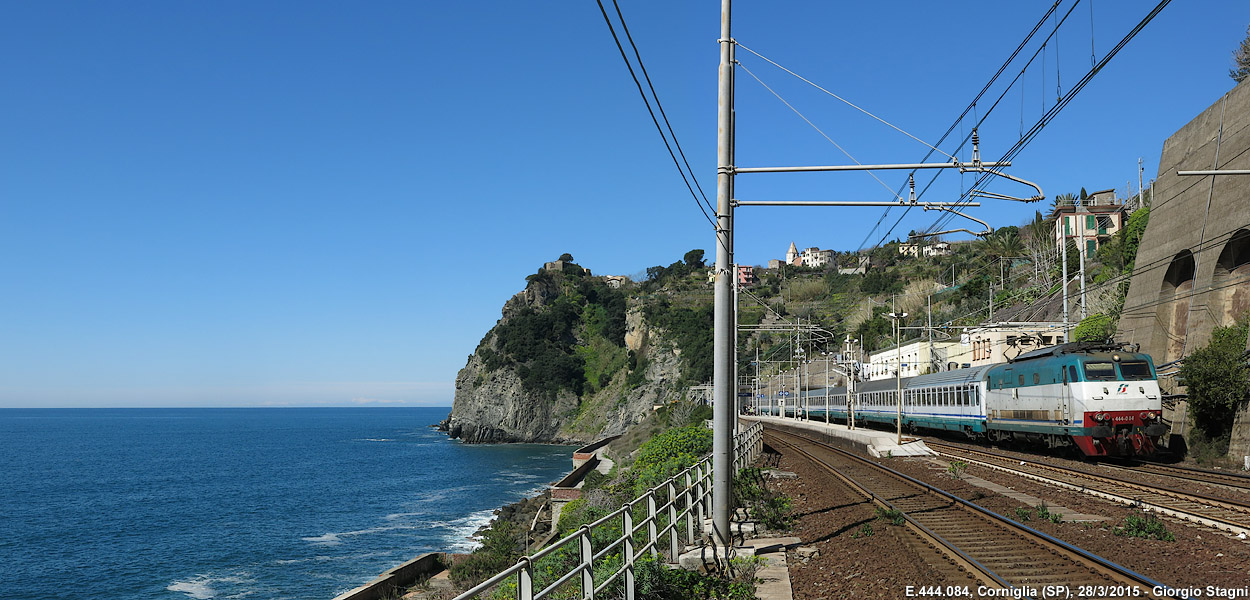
x=702, y=558
x=1029, y=501
x=879, y=444
x=1033, y=501
x=769, y=545
x=774, y=579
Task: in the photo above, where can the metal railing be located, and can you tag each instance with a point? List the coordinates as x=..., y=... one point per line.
x=686, y=497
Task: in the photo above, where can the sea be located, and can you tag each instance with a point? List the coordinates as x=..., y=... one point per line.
x=256, y=503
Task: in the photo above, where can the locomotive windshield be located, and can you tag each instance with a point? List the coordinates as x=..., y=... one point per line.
x=1099, y=371
x=1135, y=369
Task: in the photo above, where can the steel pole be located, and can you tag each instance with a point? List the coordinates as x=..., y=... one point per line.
x=1063, y=253
x=722, y=416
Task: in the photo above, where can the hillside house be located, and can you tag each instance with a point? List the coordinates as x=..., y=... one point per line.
x=1091, y=222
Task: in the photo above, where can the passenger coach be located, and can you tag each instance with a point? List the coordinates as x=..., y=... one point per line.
x=1098, y=397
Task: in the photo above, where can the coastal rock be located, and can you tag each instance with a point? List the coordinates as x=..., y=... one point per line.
x=492, y=406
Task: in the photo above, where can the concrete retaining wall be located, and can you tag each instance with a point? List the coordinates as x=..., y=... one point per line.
x=398, y=578
x=585, y=453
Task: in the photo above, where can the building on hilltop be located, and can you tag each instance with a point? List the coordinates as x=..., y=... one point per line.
x=810, y=257
x=936, y=249
x=816, y=258
x=792, y=255
x=746, y=275
x=616, y=281
x=1091, y=221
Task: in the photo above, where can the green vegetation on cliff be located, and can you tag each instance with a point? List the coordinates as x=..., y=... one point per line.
x=573, y=342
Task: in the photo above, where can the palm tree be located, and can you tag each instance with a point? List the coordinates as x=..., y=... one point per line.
x=1063, y=200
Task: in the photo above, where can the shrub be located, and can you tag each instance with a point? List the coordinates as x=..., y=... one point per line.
x=669, y=453
x=500, y=549
x=694, y=440
x=654, y=581
x=891, y=516
x=1216, y=377
x=1094, y=328
x=1144, y=527
x=864, y=531
x=771, y=509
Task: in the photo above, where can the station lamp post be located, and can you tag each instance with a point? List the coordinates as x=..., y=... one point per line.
x=898, y=371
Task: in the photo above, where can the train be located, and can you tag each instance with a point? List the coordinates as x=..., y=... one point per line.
x=1101, y=398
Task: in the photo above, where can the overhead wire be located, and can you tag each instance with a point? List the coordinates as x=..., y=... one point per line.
x=643, y=67
x=1050, y=114
x=817, y=128
x=960, y=119
x=655, y=120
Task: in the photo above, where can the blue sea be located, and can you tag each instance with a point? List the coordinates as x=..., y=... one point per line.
x=257, y=503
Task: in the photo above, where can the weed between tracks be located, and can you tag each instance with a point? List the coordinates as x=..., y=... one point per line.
x=1144, y=526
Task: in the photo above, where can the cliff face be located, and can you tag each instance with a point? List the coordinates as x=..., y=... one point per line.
x=508, y=390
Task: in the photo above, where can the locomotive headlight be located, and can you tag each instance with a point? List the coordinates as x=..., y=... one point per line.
x=1115, y=357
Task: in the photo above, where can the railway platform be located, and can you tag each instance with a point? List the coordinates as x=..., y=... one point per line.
x=879, y=444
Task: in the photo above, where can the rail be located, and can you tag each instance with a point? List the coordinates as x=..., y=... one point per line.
x=648, y=519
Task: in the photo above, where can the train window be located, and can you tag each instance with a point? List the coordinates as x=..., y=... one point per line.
x=1021, y=378
x=1135, y=369
x=1037, y=378
x=1072, y=374
x=1100, y=371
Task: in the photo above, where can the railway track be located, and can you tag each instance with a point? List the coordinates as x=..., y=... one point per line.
x=1235, y=481
x=1006, y=558
x=1225, y=514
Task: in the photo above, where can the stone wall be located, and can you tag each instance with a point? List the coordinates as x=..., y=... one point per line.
x=1187, y=279
x=1192, y=272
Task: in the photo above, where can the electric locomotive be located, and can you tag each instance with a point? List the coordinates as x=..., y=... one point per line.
x=1100, y=397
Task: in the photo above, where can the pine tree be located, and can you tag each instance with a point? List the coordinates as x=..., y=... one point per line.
x=1241, y=60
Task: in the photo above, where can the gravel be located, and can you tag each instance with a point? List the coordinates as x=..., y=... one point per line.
x=851, y=564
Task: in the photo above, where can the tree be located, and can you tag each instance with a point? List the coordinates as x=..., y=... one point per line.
x=694, y=259
x=566, y=257
x=1094, y=328
x=1241, y=60
x=1064, y=200
x=1215, y=376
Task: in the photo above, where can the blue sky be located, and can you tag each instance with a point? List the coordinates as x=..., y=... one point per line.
x=316, y=203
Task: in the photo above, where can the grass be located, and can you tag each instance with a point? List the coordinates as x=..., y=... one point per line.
x=864, y=531
x=1144, y=526
x=891, y=516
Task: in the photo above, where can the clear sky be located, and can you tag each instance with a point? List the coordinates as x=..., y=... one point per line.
x=325, y=203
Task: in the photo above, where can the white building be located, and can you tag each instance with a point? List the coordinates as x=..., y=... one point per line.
x=815, y=257
x=792, y=255
x=975, y=347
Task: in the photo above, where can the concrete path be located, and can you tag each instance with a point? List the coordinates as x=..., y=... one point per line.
x=879, y=444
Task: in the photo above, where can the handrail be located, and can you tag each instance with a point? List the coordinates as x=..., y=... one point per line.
x=690, y=490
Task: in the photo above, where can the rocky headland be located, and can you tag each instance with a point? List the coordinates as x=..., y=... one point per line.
x=572, y=359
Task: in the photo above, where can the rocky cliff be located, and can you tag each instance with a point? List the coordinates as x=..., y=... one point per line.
x=570, y=361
